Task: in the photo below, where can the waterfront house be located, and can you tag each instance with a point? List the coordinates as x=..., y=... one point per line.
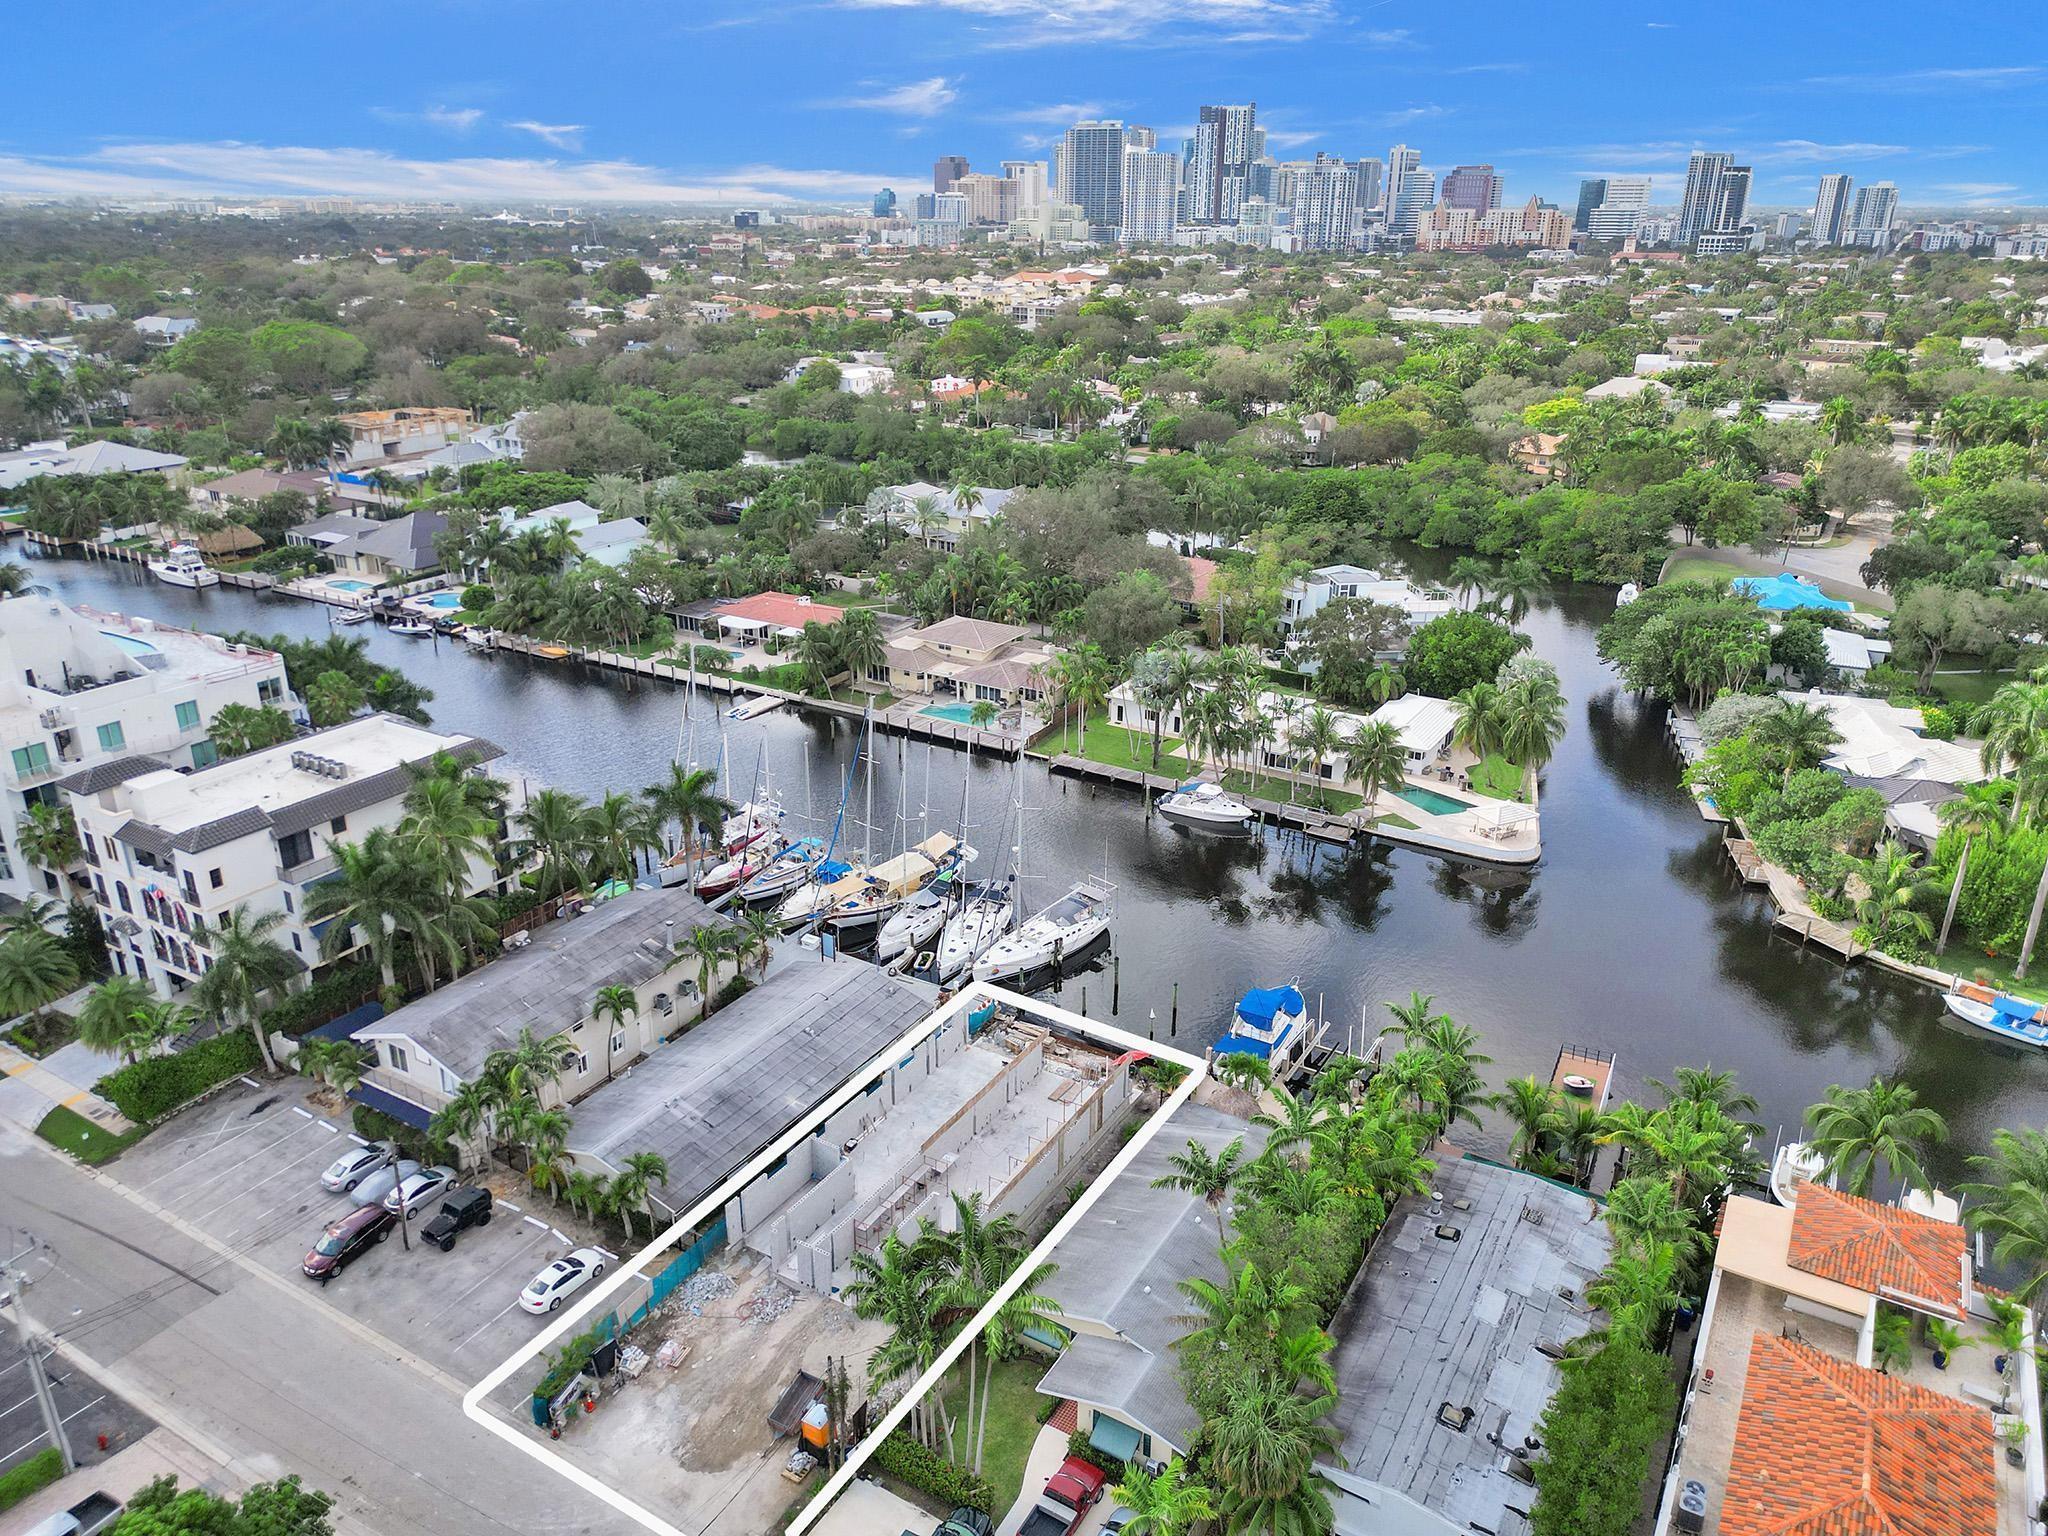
x=766, y=618
x=376, y=437
x=1425, y=724
x=400, y=548
x=1306, y=596
x=164, y=330
x=1785, y=1424
x=968, y=659
x=324, y=533
x=1881, y=740
x=170, y=853
x=904, y=507
x=1118, y=1293
x=99, y=458
x=430, y=1047
x=1447, y=1348
x=81, y=689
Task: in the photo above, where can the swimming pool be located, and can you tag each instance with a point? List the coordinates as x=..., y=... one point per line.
x=350, y=586
x=130, y=644
x=1430, y=801
x=444, y=602
x=959, y=714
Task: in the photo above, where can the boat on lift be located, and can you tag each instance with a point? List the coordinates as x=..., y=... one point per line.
x=1052, y=937
x=983, y=918
x=182, y=565
x=1206, y=805
x=1797, y=1162
x=1270, y=1023
x=1998, y=1013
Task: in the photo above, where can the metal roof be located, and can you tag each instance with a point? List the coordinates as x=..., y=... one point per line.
x=757, y=1066
x=1432, y=1320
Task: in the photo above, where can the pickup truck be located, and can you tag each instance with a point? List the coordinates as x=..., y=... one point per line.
x=91, y=1514
x=1069, y=1494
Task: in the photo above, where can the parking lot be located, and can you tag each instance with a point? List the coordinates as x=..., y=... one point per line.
x=245, y=1169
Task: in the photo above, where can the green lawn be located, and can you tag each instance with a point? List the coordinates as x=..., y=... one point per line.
x=1114, y=747
x=1970, y=687
x=1013, y=1410
x=1497, y=778
x=1272, y=787
x=85, y=1141
x=1967, y=959
x=1702, y=568
x=1395, y=821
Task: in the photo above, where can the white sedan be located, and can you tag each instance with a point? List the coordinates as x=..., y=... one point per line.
x=416, y=1190
x=352, y=1167
x=545, y=1291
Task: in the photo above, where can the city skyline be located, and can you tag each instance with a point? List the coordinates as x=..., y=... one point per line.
x=830, y=102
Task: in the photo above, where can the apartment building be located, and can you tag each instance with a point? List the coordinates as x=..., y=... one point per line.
x=79, y=688
x=169, y=853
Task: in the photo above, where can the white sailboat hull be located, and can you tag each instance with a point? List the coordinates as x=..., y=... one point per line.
x=1065, y=928
x=970, y=931
x=910, y=929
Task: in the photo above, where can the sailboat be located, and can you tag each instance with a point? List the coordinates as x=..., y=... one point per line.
x=739, y=866
x=792, y=866
x=984, y=917
x=809, y=885
x=916, y=923
x=894, y=881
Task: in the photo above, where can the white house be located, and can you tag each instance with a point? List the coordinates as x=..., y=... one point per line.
x=1884, y=741
x=80, y=688
x=1426, y=724
x=100, y=458
x=1307, y=596
x=1853, y=653
x=899, y=504
x=609, y=543
x=170, y=854
x=163, y=330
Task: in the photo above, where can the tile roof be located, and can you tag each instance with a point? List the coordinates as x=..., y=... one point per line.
x=1880, y=1249
x=105, y=775
x=1824, y=1447
x=782, y=608
x=970, y=634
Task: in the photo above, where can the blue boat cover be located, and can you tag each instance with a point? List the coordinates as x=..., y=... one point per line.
x=2016, y=1010
x=831, y=870
x=1260, y=1005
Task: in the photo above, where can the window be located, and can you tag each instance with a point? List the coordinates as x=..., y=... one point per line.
x=31, y=760
x=618, y=1042
x=297, y=945
x=112, y=737
x=338, y=826
x=287, y=900
x=581, y=1061
x=204, y=754
x=99, y=887
x=395, y=1054
x=294, y=848
x=121, y=894
x=270, y=690
x=191, y=888
x=188, y=716
x=214, y=876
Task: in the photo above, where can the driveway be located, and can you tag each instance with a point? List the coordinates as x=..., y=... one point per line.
x=244, y=1168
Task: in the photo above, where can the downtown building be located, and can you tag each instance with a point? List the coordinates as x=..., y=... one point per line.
x=1151, y=197
x=1872, y=215
x=1831, y=210
x=1226, y=145
x=1325, y=205
x=1471, y=186
x=1712, y=213
x=1618, y=217
x=1533, y=226
x=1090, y=171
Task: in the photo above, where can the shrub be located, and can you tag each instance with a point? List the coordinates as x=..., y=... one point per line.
x=734, y=989
x=476, y=598
x=323, y=1002
x=151, y=1088
x=1079, y=1448
x=375, y=1125
x=1937, y=724
x=928, y=1472
x=1610, y=1411
x=574, y=1354
x=31, y=1476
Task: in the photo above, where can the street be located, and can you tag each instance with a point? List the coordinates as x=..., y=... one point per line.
x=259, y=1371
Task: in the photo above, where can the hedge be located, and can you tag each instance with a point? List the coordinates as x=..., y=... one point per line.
x=323, y=1002
x=928, y=1472
x=153, y=1087
x=375, y=1125
x=571, y=1358
x=1079, y=1447
x=31, y=1476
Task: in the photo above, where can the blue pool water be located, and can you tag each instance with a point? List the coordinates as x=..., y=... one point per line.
x=1430, y=801
x=350, y=586
x=444, y=601
x=959, y=714
x=130, y=644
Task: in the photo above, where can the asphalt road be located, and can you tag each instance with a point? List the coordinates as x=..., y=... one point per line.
x=259, y=1373
x=88, y=1409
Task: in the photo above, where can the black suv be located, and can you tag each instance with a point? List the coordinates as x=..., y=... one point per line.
x=464, y=1209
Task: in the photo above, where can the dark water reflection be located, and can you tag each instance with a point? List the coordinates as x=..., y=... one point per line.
x=1632, y=935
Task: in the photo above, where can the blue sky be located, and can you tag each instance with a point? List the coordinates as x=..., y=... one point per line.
x=827, y=99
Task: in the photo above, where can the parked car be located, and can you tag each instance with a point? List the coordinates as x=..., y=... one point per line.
x=460, y=1210
x=354, y=1165
x=90, y=1515
x=966, y=1521
x=416, y=1191
x=375, y=1186
x=1067, y=1497
x=1118, y=1519
x=338, y=1245
x=545, y=1291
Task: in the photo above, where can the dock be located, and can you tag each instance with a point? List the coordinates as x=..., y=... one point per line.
x=1320, y=825
x=1578, y=1064
x=1749, y=864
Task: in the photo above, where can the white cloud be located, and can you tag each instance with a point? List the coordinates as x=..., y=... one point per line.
x=1660, y=26
x=561, y=135
x=1292, y=138
x=1994, y=77
x=1490, y=69
x=1978, y=191
x=457, y=120
x=918, y=98
x=235, y=169
x=1391, y=37
x=1041, y=23
x=1806, y=152
x=1060, y=114
x=1408, y=115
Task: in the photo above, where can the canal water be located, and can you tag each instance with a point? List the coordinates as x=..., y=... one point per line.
x=1632, y=934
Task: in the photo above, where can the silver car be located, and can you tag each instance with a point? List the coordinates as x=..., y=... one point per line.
x=418, y=1190
x=354, y=1165
x=375, y=1186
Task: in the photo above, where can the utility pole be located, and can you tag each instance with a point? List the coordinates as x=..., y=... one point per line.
x=398, y=1188
x=13, y=1282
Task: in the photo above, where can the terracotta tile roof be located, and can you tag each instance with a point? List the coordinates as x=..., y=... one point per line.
x=1880, y=1249
x=780, y=608
x=1824, y=1447
x=1200, y=573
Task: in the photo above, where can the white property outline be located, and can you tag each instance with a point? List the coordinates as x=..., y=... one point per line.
x=473, y=1400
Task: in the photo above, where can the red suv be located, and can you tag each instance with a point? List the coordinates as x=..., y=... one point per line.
x=345, y=1238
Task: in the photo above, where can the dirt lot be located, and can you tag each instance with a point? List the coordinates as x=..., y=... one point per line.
x=693, y=1443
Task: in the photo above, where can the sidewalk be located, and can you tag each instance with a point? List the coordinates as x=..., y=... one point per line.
x=29, y=1089
x=123, y=1475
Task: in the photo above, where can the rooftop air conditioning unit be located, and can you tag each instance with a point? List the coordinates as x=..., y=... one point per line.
x=1692, y=1507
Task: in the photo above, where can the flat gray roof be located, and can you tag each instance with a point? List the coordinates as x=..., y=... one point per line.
x=1430, y=1321
x=1121, y=1266
x=734, y=1083
x=547, y=986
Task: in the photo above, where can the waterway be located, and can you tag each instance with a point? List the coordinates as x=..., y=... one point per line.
x=1631, y=935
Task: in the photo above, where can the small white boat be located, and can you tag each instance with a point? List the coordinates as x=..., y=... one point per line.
x=977, y=925
x=1062, y=930
x=479, y=637
x=1269, y=1023
x=759, y=704
x=1796, y=1162
x=1206, y=805
x=790, y=868
x=412, y=629
x=914, y=924
x=349, y=615
x=1998, y=1013
x=183, y=566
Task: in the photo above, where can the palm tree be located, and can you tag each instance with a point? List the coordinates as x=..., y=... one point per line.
x=613, y=1004
x=1198, y=1171
x=691, y=800
x=1265, y=1450
x=48, y=836
x=634, y=1183
x=2010, y=1202
x=1386, y=682
x=1637, y=1291
x=1246, y=1309
x=1643, y=1212
x=557, y=833
x=620, y=830
x=1532, y=1107
x=1855, y=1129
x=1167, y=1503
x=754, y=940
x=337, y=1063
x=1895, y=888
x=1416, y=1017
x=372, y=897
x=709, y=946
x=1477, y=724
x=817, y=652
x=107, y=1019
x=583, y=1191
x=861, y=647
x=1319, y=739
x=1979, y=811
x=247, y=962
x=1795, y=737
x=893, y=1285
x=468, y=1111
x=1082, y=677
x=35, y=969
x=1376, y=760
x=1531, y=724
